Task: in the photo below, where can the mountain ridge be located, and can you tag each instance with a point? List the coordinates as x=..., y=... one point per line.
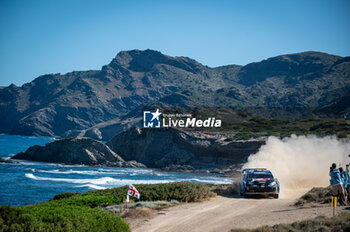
x=57, y=105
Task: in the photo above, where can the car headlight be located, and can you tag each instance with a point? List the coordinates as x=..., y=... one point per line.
x=273, y=184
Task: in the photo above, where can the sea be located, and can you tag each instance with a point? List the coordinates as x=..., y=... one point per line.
x=28, y=182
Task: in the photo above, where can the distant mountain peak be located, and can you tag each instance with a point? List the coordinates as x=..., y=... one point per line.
x=138, y=60
x=296, y=64
x=144, y=60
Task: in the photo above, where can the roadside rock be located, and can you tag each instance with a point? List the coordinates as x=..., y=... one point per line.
x=77, y=150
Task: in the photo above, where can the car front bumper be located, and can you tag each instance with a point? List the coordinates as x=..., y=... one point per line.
x=261, y=190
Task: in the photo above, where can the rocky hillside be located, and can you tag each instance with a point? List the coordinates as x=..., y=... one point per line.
x=241, y=122
x=173, y=149
x=74, y=103
x=55, y=104
x=75, y=151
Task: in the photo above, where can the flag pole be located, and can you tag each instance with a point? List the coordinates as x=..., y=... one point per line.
x=127, y=201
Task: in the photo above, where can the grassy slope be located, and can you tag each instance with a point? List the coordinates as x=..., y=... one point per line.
x=320, y=195
x=78, y=212
x=241, y=125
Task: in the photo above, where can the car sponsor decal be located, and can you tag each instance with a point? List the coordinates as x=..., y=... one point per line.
x=260, y=180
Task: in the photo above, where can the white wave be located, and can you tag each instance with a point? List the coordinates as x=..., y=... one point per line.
x=70, y=172
x=208, y=181
x=159, y=174
x=114, y=182
x=120, y=170
x=23, y=162
x=67, y=165
x=8, y=157
x=103, y=180
x=91, y=186
x=57, y=171
x=100, y=181
x=126, y=170
x=143, y=171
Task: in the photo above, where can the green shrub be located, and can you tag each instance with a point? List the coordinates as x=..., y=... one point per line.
x=243, y=136
x=342, y=135
x=180, y=191
x=75, y=213
x=65, y=195
x=53, y=217
x=91, y=201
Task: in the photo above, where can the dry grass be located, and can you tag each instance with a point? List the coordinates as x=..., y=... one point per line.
x=340, y=222
x=319, y=195
x=139, y=213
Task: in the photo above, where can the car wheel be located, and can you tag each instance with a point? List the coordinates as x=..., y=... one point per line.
x=276, y=196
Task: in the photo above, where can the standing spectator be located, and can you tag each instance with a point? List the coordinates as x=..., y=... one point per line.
x=337, y=184
x=345, y=177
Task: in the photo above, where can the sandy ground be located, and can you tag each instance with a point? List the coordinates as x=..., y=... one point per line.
x=225, y=213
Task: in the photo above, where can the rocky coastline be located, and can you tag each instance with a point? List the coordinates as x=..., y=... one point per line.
x=171, y=150
x=76, y=151
x=184, y=151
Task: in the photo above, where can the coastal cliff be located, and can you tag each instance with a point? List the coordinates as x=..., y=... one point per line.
x=78, y=150
x=166, y=149
x=179, y=150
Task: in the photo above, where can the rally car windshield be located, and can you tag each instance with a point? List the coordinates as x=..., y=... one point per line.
x=259, y=175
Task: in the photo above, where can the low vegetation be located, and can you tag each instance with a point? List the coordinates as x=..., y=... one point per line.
x=320, y=195
x=242, y=126
x=55, y=216
x=82, y=211
x=180, y=191
x=340, y=222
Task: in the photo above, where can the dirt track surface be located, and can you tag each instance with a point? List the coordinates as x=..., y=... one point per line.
x=225, y=213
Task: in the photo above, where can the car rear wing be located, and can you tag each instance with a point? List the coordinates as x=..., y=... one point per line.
x=247, y=169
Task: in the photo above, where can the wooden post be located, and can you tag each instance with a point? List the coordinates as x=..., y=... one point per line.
x=334, y=204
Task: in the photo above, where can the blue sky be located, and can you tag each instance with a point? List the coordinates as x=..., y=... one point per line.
x=40, y=37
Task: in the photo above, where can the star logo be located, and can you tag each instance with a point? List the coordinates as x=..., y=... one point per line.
x=156, y=115
x=151, y=119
